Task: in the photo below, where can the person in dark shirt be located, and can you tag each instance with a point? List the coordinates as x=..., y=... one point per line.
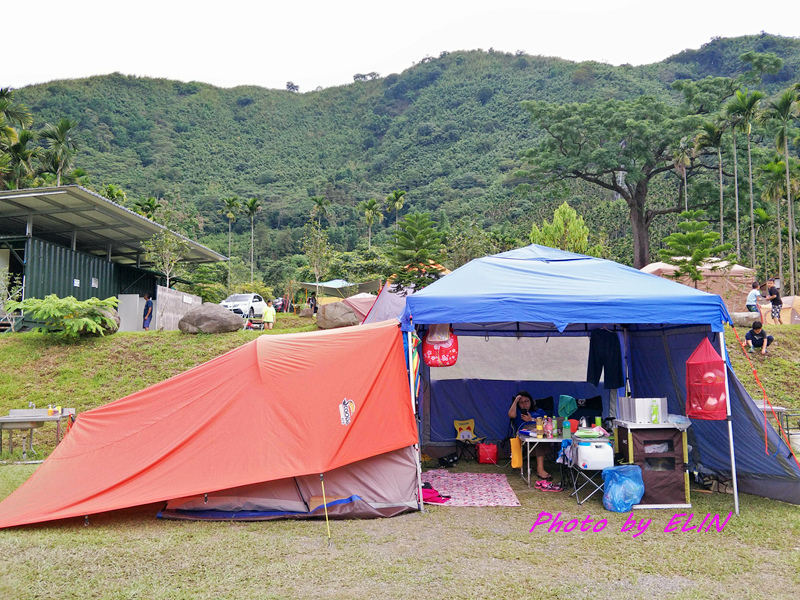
x=774, y=296
x=758, y=338
x=148, y=312
x=524, y=413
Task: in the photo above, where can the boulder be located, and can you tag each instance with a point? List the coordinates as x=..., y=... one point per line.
x=745, y=319
x=108, y=329
x=336, y=314
x=210, y=318
x=306, y=312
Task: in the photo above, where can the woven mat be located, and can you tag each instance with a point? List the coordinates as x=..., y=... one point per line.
x=472, y=489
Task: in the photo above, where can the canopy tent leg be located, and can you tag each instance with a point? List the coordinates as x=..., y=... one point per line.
x=723, y=353
x=411, y=382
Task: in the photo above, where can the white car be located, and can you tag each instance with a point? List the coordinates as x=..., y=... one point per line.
x=245, y=305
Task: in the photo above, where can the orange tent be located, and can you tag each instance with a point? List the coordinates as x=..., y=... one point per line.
x=278, y=408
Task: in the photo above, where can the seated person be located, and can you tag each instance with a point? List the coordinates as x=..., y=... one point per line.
x=524, y=413
x=756, y=337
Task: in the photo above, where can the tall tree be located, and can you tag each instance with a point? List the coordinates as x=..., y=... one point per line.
x=415, y=251
x=13, y=112
x=693, y=247
x=60, y=146
x=115, y=193
x=763, y=220
x=321, y=208
x=734, y=120
x=710, y=138
x=620, y=146
x=682, y=155
x=251, y=207
x=745, y=105
x=395, y=201
x=773, y=186
x=318, y=251
x=166, y=250
x=784, y=111
x=372, y=213
x=21, y=158
x=230, y=207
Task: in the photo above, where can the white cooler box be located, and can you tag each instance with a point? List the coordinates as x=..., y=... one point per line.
x=594, y=454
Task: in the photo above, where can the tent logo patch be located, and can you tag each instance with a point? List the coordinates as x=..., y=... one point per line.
x=346, y=411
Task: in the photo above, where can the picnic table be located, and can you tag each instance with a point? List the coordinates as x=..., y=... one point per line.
x=30, y=419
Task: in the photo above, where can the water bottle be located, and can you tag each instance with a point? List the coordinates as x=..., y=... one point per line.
x=654, y=412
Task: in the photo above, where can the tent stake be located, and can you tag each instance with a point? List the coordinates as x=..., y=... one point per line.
x=325, y=506
x=723, y=352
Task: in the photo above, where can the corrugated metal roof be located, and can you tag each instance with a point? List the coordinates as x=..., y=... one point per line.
x=99, y=226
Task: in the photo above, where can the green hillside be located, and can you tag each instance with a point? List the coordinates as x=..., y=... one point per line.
x=449, y=131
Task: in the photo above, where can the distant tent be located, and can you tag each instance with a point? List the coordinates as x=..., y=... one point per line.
x=252, y=429
x=730, y=281
x=361, y=304
x=340, y=287
x=390, y=303
x=789, y=312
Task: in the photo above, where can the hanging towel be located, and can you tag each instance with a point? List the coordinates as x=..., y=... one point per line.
x=566, y=406
x=605, y=355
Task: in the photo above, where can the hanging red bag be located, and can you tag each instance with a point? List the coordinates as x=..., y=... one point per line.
x=487, y=454
x=705, y=384
x=440, y=346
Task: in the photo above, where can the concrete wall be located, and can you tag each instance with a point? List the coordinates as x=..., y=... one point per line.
x=172, y=305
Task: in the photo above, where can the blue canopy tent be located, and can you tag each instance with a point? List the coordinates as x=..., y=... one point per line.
x=549, y=296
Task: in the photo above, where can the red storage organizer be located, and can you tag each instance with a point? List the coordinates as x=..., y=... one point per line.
x=705, y=384
x=440, y=347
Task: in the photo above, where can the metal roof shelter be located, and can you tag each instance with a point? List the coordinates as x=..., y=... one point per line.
x=84, y=221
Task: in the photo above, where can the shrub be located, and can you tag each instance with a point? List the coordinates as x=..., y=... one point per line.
x=68, y=318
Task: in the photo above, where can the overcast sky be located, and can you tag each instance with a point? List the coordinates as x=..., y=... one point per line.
x=323, y=43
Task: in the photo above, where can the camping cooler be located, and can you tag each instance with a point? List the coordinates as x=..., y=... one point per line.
x=594, y=455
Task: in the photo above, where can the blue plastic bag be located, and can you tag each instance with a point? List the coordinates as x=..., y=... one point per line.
x=623, y=487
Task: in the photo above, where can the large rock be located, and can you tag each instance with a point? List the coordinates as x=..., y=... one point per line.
x=210, y=318
x=306, y=312
x=336, y=314
x=108, y=329
x=745, y=319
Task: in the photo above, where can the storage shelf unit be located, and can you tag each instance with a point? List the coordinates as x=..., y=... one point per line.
x=661, y=452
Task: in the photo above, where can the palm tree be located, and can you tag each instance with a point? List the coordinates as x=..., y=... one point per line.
x=60, y=146
x=147, y=207
x=115, y=193
x=783, y=111
x=251, y=207
x=14, y=113
x=372, y=213
x=320, y=208
x=395, y=201
x=745, y=106
x=230, y=208
x=682, y=156
x=773, y=186
x=763, y=218
x=734, y=119
x=711, y=138
x=21, y=157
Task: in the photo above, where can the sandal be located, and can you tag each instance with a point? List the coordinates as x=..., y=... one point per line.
x=551, y=487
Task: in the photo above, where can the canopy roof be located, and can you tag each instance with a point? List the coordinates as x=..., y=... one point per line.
x=96, y=225
x=537, y=284
x=268, y=410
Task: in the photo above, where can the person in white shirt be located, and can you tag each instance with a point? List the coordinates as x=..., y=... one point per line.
x=752, y=298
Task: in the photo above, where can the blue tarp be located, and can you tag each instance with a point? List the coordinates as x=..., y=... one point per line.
x=537, y=284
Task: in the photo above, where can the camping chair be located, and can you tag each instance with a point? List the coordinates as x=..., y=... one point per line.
x=465, y=438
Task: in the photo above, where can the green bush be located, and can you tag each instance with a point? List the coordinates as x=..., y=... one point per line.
x=68, y=318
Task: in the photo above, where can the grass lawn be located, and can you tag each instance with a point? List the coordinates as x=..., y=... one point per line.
x=441, y=553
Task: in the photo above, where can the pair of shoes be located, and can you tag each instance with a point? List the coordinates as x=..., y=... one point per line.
x=750, y=349
x=549, y=486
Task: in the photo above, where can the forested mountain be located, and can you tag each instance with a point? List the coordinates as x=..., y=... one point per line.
x=449, y=131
